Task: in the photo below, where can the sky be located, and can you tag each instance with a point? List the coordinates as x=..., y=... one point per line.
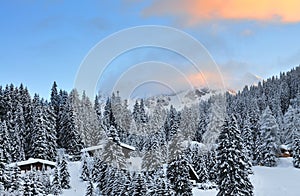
x=46, y=41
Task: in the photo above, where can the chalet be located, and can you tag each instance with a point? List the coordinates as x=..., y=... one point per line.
x=34, y=164
x=285, y=151
x=126, y=149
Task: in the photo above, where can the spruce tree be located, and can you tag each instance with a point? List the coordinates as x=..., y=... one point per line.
x=64, y=174
x=296, y=152
x=232, y=170
x=85, y=173
x=178, y=174
x=89, y=189
x=56, y=187
x=268, y=145
x=139, y=187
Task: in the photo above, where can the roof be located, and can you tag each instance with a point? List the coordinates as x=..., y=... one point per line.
x=92, y=148
x=127, y=146
x=31, y=161
x=194, y=172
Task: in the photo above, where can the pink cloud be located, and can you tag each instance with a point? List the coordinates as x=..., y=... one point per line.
x=192, y=12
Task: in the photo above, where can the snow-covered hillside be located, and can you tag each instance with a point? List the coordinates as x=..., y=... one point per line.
x=282, y=180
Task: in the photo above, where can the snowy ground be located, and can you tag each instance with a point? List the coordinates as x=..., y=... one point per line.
x=279, y=181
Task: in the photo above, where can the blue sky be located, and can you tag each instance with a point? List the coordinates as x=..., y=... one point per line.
x=43, y=41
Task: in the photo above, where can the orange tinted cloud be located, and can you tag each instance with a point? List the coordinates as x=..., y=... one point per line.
x=207, y=79
x=195, y=11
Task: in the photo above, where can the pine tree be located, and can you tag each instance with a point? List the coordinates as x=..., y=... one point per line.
x=4, y=143
x=85, y=173
x=28, y=186
x=56, y=187
x=139, y=185
x=216, y=115
x=268, y=146
x=178, y=174
x=16, y=182
x=296, y=152
x=161, y=185
x=202, y=169
x=64, y=174
x=89, y=189
x=68, y=136
x=152, y=160
x=232, y=170
x=289, y=126
x=112, y=152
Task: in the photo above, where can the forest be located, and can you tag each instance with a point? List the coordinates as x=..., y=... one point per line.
x=221, y=138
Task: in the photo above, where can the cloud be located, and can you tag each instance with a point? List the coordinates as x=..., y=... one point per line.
x=192, y=12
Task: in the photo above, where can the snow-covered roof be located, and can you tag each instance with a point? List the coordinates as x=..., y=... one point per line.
x=284, y=147
x=191, y=168
x=92, y=148
x=127, y=146
x=31, y=161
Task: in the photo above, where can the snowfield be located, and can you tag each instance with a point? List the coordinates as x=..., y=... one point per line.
x=282, y=180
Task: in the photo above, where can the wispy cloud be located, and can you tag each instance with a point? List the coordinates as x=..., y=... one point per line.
x=193, y=12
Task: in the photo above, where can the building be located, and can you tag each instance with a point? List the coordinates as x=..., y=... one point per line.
x=93, y=150
x=34, y=164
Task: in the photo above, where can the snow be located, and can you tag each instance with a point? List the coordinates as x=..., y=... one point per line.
x=277, y=181
x=92, y=148
x=32, y=161
x=267, y=181
x=127, y=146
x=78, y=187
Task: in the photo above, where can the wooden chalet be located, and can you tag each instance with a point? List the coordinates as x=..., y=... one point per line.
x=34, y=164
x=285, y=151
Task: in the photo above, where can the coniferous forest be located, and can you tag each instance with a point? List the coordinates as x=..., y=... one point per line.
x=218, y=140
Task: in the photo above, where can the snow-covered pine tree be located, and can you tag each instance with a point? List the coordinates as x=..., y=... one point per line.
x=28, y=186
x=64, y=174
x=139, y=187
x=3, y=174
x=152, y=159
x=56, y=188
x=189, y=119
x=172, y=123
x=89, y=125
x=203, y=120
x=232, y=171
x=161, y=185
x=85, y=173
x=216, y=115
x=54, y=99
x=201, y=169
x=178, y=174
x=108, y=116
x=16, y=185
x=126, y=118
x=247, y=137
x=296, y=152
x=44, y=178
x=39, y=142
x=268, y=145
x=69, y=138
x=289, y=126
x=112, y=152
x=89, y=189
x=4, y=142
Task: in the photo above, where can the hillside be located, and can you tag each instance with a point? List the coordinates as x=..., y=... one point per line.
x=276, y=181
